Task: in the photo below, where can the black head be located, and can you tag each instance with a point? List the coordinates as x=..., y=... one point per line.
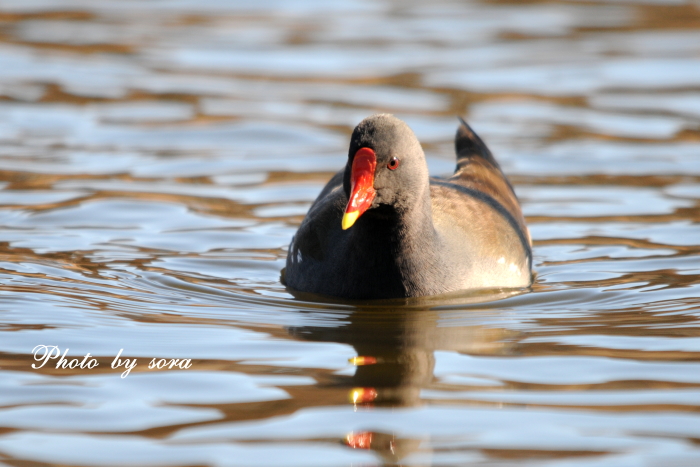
x=392, y=155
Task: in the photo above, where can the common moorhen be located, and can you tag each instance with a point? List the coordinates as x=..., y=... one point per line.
x=382, y=228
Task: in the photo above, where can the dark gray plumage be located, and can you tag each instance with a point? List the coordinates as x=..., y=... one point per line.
x=420, y=236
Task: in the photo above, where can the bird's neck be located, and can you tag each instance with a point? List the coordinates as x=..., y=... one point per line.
x=398, y=248
x=414, y=225
x=416, y=246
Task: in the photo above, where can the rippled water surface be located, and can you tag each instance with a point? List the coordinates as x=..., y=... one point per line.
x=156, y=158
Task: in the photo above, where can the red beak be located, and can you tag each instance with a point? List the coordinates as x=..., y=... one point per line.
x=361, y=186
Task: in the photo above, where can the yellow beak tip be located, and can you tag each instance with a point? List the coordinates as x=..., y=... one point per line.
x=349, y=219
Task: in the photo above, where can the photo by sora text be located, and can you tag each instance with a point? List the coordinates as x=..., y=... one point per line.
x=45, y=353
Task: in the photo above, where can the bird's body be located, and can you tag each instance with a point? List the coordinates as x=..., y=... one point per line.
x=378, y=231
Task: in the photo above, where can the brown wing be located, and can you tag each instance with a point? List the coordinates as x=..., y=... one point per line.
x=478, y=171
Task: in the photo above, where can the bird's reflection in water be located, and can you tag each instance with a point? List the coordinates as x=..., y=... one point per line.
x=387, y=446
x=395, y=342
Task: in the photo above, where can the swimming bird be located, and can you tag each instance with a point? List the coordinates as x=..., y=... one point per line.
x=382, y=228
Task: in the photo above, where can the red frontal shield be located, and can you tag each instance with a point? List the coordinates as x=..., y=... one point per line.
x=362, y=191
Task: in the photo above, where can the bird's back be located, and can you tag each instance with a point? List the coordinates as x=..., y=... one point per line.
x=479, y=216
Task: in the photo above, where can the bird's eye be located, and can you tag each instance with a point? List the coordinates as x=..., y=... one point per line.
x=393, y=163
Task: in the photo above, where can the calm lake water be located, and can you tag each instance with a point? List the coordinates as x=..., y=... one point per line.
x=156, y=158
